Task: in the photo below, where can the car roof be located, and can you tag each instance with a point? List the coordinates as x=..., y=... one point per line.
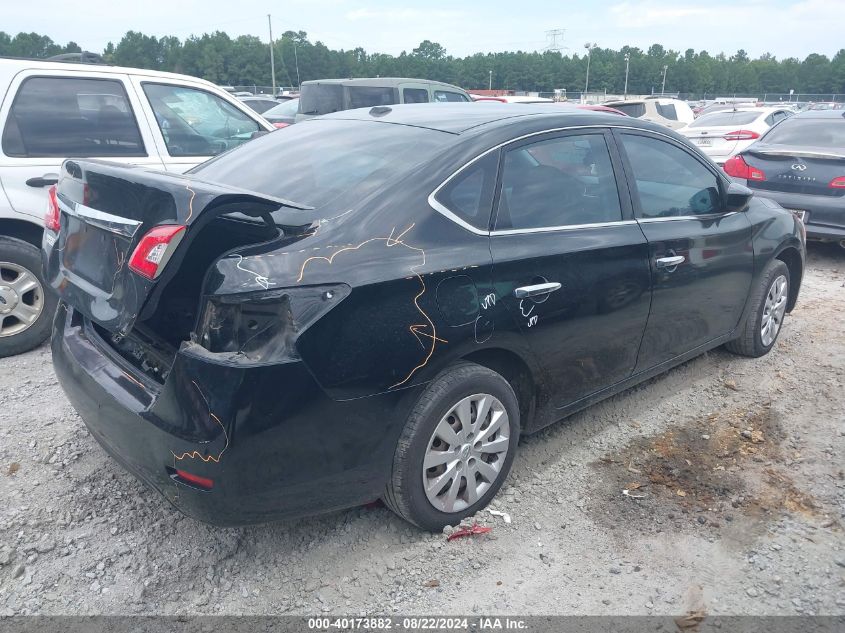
x=379, y=82
x=11, y=65
x=457, y=118
x=820, y=114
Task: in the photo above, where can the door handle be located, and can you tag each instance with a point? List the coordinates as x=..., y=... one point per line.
x=524, y=292
x=670, y=262
x=43, y=181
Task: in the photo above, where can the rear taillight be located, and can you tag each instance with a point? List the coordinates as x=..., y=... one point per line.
x=153, y=252
x=279, y=126
x=738, y=168
x=741, y=135
x=837, y=183
x=52, y=219
x=265, y=326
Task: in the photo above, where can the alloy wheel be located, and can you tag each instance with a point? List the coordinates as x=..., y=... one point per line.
x=21, y=299
x=773, y=310
x=466, y=453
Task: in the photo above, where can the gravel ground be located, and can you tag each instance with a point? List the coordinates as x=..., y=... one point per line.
x=735, y=504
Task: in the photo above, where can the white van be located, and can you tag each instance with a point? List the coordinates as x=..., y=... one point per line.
x=50, y=111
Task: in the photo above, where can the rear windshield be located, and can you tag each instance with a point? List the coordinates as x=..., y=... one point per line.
x=322, y=163
x=321, y=98
x=631, y=109
x=812, y=132
x=285, y=108
x=717, y=119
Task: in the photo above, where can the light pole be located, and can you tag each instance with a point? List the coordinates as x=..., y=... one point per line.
x=627, y=62
x=589, y=46
x=490, y=80
x=663, y=87
x=272, y=61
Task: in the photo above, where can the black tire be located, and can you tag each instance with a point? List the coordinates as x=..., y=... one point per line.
x=27, y=256
x=405, y=494
x=750, y=341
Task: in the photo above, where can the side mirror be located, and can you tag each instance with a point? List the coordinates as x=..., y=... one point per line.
x=737, y=197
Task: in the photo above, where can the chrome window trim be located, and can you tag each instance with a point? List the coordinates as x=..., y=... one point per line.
x=703, y=216
x=443, y=210
x=568, y=227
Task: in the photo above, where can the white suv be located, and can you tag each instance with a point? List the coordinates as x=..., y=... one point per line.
x=50, y=111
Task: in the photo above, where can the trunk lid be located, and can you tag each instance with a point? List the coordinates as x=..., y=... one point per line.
x=792, y=170
x=107, y=209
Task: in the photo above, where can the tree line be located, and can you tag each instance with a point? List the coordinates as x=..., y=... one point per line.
x=244, y=60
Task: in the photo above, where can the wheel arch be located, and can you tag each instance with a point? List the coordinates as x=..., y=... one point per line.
x=791, y=256
x=513, y=368
x=23, y=230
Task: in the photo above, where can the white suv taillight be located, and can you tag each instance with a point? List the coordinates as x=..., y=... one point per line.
x=52, y=219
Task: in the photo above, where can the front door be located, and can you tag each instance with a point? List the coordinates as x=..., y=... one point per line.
x=48, y=118
x=701, y=256
x=569, y=261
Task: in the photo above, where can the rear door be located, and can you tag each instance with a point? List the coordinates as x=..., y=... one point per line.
x=569, y=261
x=48, y=116
x=701, y=256
x=191, y=124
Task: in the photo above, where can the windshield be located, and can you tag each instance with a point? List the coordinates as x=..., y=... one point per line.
x=320, y=162
x=809, y=132
x=718, y=119
x=285, y=108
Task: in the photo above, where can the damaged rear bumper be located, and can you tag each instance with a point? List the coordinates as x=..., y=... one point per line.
x=273, y=443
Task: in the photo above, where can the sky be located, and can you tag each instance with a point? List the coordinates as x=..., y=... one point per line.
x=784, y=28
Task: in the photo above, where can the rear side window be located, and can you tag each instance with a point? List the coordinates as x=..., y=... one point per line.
x=415, y=95
x=197, y=123
x=64, y=117
x=564, y=181
x=827, y=132
x=670, y=182
x=447, y=95
x=469, y=195
x=369, y=96
x=635, y=110
x=667, y=111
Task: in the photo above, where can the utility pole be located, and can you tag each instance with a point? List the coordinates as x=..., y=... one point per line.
x=663, y=88
x=627, y=62
x=589, y=46
x=296, y=59
x=272, y=60
x=490, y=81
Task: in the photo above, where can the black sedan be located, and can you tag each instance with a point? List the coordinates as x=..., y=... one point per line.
x=378, y=303
x=800, y=163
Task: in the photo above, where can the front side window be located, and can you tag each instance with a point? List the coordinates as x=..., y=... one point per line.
x=563, y=181
x=197, y=123
x=469, y=195
x=415, y=95
x=670, y=182
x=63, y=117
x=444, y=96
